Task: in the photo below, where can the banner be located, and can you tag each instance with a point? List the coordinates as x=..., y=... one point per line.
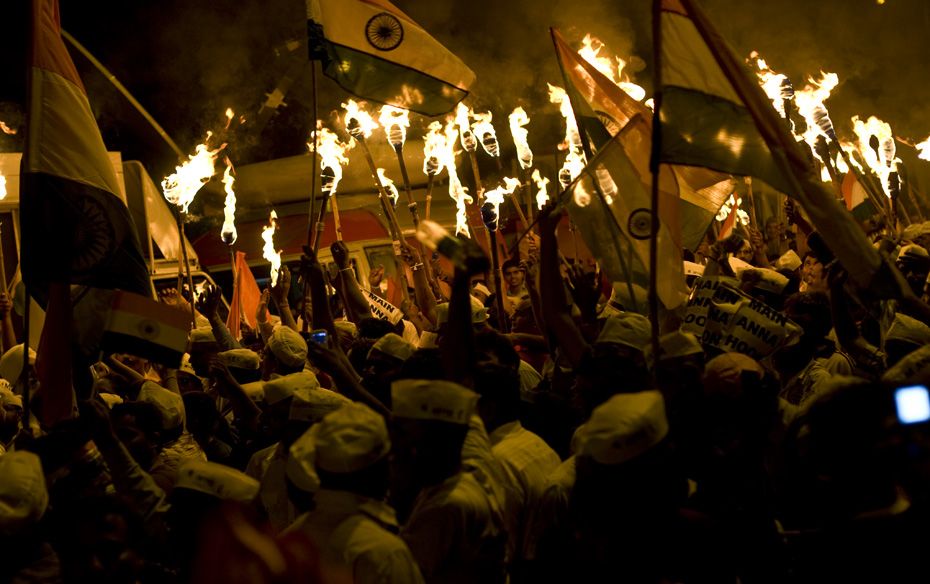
x=381, y=308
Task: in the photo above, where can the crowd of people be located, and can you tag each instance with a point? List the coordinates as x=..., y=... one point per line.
x=539, y=439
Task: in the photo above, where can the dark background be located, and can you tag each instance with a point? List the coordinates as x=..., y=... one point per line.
x=187, y=61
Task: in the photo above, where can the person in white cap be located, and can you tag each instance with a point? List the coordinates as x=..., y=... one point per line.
x=625, y=499
x=11, y=364
x=11, y=412
x=526, y=458
x=452, y=530
x=352, y=525
x=201, y=490
x=304, y=408
x=27, y=555
x=383, y=364
x=286, y=352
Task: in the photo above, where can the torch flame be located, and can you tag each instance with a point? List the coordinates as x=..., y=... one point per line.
x=388, y=185
x=228, y=232
x=395, y=122
x=229, y=117
x=332, y=156
x=457, y=192
x=776, y=85
x=434, y=146
x=880, y=160
x=2, y=186
x=462, y=114
x=923, y=149
x=268, y=250
x=484, y=130
x=6, y=129
x=495, y=197
x=518, y=119
x=181, y=187
x=575, y=159
x=810, y=104
x=359, y=122
x=611, y=68
x=542, y=183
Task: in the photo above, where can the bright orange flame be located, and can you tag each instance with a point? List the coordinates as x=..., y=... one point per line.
x=542, y=184
x=268, y=250
x=434, y=147
x=395, y=122
x=2, y=186
x=519, y=119
x=6, y=129
x=332, y=156
x=229, y=117
x=181, y=187
x=776, y=85
x=457, y=192
x=228, y=232
x=484, y=131
x=388, y=185
x=575, y=159
x=467, y=137
x=611, y=68
x=495, y=197
x=882, y=160
x=359, y=122
x=923, y=149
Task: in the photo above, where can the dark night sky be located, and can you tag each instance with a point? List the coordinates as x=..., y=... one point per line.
x=186, y=61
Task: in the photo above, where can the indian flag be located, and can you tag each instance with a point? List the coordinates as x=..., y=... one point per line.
x=75, y=227
x=712, y=114
x=375, y=51
x=146, y=328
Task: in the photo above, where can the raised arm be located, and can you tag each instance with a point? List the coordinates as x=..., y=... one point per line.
x=356, y=305
x=555, y=305
x=208, y=305
x=279, y=294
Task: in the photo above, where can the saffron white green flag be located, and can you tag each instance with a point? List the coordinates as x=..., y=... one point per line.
x=711, y=114
x=375, y=51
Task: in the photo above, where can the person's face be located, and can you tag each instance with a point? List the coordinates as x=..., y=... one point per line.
x=745, y=252
x=514, y=277
x=773, y=230
x=915, y=274
x=812, y=273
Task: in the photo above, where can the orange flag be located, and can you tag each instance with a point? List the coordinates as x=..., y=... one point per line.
x=245, y=299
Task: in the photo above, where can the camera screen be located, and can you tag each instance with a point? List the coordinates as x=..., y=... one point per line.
x=913, y=404
x=318, y=337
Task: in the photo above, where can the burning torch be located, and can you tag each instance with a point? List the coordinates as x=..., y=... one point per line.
x=395, y=122
x=490, y=214
x=332, y=158
x=180, y=188
x=434, y=144
x=518, y=120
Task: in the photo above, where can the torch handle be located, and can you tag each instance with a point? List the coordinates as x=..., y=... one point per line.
x=337, y=223
x=320, y=222
x=187, y=266
x=498, y=285
x=867, y=185
x=479, y=188
x=429, y=194
x=516, y=205
x=385, y=200
x=527, y=188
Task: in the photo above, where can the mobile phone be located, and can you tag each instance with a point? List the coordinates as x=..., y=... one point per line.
x=319, y=336
x=912, y=404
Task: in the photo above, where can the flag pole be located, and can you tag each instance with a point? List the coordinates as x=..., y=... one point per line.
x=313, y=237
x=654, y=167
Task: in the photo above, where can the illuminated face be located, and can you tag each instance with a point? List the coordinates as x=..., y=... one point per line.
x=514, y=277
x=812, y=273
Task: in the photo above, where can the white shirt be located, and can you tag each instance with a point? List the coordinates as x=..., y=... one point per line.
x=528, y=462
x=453, y=534
x=354, y=535
x=267, y=466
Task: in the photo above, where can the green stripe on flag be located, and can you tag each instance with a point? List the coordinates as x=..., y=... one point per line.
x=705, y=130
x=376, y=79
